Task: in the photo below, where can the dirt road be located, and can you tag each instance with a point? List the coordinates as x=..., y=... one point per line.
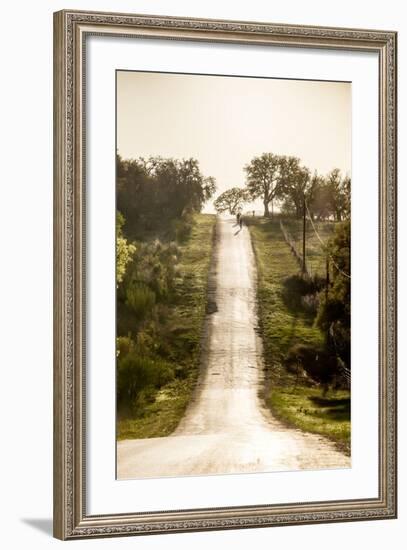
x=226, y=429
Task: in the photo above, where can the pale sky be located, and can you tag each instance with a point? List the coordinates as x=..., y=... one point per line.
x=224, y=122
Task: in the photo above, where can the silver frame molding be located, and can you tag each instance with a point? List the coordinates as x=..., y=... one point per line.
x=70, y=518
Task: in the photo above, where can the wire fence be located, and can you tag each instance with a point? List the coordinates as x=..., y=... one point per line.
x=293, y=246
x=298, y=255
x=323, y=244
x=344, y=371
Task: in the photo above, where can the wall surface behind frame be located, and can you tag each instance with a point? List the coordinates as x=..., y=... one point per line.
x=26, y=274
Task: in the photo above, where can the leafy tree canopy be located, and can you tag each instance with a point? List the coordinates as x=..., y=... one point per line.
x=282, y=178
x=231, y=200
x=263, y=178
x=155, y=191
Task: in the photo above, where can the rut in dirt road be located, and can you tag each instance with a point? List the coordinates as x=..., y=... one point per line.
x=226, y=429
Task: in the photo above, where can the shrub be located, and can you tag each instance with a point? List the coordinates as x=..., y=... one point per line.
x=137, y=374
x=310, y=302
x=155, y=267
x=124, y=250
x=140, y=298
x=182, y=228
x=299, y=291
x=124, y=344
x=313, y=361
x=335, y=310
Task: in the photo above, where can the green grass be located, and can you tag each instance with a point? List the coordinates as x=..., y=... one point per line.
x=281, y=328
x=315, y=255
x=161, y=417
x=305, y=408
x=180, y=340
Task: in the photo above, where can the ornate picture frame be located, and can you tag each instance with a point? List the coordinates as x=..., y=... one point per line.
x=71, y=30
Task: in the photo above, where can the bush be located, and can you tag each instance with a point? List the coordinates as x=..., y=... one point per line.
x=140, y=298
x=137, y=374
x=124, y=249
x=335, y=309
x=155, y=267
x=124, y=345
x=312, y=361
x=182, y=228
x=310, y=302
x=300, y=292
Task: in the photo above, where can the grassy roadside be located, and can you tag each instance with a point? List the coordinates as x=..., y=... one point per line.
x=314, y=253
x=162, y=410
x=299, y=405
x=305, y=408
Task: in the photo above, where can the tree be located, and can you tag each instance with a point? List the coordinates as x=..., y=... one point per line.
x=181, y=184
x=319, y=201
x=339, y=194
x=315, y=183
x=346, y=184
x=329, y=196
x=152, y=192
x=231, y=200
x=296, y=185
x=263, y=178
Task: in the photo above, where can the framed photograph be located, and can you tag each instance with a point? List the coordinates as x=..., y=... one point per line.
x=225, y=274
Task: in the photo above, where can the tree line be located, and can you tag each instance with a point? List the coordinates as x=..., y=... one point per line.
x=153, y=192
x=282, y=180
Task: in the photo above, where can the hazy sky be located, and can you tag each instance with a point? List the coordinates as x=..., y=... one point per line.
x=224, y=122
